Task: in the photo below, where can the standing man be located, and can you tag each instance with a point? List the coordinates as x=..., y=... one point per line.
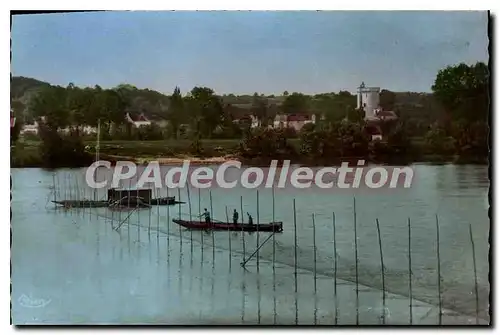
x=206, y=214
x=235, y=217
x=250, y=219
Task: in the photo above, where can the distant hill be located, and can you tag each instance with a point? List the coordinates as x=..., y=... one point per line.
x=19, y=86
x=22, y=89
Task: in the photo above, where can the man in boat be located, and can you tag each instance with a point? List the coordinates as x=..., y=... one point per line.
x=235, y=217
x=250, y=219
x=206, y=214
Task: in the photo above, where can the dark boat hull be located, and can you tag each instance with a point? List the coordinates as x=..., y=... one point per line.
x=166, y=201
x=132, y=202
x=82, y=203
x=202, y=225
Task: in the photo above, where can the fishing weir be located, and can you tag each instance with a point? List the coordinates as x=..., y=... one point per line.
x=277, y=283
x=121, y=198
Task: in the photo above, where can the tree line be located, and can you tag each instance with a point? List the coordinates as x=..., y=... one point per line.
x=453, y=120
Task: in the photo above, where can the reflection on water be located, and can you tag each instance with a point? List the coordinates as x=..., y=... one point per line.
x=150, y=271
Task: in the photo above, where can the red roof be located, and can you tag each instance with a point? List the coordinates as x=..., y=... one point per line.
x=136, y=118
x=298, y=117
x=386, y=114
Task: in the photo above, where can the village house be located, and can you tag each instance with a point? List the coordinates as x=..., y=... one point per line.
x=137, y=120
x=30, y=128
x=250, y=119
x=295, y=121
x=33, y=129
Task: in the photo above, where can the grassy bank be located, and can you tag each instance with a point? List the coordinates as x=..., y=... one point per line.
x=26, y=153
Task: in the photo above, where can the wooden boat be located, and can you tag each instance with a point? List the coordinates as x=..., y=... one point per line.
x=165, y=201
x=82, y=203
x=273, y=226
x=144, y=194
x=131, y=202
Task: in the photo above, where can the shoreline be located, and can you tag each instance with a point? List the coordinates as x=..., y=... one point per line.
x=265, y=161
x=27, y=154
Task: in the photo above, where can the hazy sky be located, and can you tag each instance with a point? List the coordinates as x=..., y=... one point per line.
x=245, y=52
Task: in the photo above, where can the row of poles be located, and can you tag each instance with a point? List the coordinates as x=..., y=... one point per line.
x=68, y=192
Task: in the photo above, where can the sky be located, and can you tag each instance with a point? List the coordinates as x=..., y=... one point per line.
x=246, y=52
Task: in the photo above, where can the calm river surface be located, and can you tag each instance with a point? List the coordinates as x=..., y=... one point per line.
x=46, y=241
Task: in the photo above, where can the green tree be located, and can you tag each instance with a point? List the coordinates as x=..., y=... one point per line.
x=463, y=91
x=50, y=104
x=76, y=106
x=398, y=140
x=355, y=115
x=205, y=110
x=260, y=109
x=15, y=131
x=175, y=113
x=387, y=100
x=296, y=103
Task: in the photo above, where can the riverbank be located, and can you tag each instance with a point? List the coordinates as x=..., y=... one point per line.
x=27, y=154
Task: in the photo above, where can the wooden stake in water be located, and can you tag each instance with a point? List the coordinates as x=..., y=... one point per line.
x=438, y=270
x=199, y=212
x=382, y=270
x=258, y=235
x=356, y=256
x=190, y=215
x=335, y=269
x=213, y=237
x=409, y=272
x=128, y=200
x=65, y=186
x=168, y=228
x=113, y=220
x=150, y=210
x=229, y=238
x=67, y=189
x=90, y=207
x=180, y=215
x=275, y=315
x=295, y=242
x=157, y=195
x=475, y=273
x=77, y=190
x=138, y=222
x=97, y=147
x=242, y=232
x=314, y=250
x=84, y=198
x=274, y=237
x=274, y=268
x=54, y=185
x=71, y=188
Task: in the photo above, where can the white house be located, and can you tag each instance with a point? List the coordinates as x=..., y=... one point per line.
x=138, y=121
x=251, y=119
x=295, y=121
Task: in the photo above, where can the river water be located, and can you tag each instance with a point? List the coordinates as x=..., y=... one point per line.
x=54, y=244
